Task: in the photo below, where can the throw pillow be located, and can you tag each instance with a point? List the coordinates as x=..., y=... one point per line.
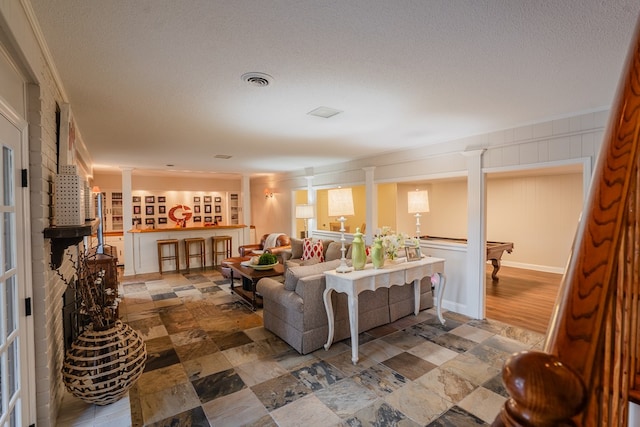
x=296, y=248
x=312, y=250
x=333, y=251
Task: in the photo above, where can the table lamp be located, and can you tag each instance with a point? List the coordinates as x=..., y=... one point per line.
x=418, y=202
x=341, y=204
x=304, y=212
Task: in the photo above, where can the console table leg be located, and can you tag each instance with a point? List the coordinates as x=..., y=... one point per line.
x=353, y=323
x=416, y=296
x=326, y=296
x=439, y=284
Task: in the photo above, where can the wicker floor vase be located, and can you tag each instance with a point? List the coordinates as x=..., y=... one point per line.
x=101, y=366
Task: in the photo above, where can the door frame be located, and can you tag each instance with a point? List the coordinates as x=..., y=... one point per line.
x=23, y=252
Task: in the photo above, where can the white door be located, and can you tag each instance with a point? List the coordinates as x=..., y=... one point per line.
x=14, y=235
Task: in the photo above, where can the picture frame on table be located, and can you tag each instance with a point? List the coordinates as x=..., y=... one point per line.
x=196, y=199
x=137, y=210
x=137, y=199
x=207, y=219
x=218, y=199
x=149, y=199
x=162, y=220
x=413, y=253
x=207, y=208
x=207, y=199
x=149, y=210
x=218, y=209
x=197, y=218
x=162, y=209
x=149, y=221
x=162, y=199
x=196, y=209
x=218, y=219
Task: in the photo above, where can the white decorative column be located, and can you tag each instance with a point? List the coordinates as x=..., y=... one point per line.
x=127, y=218
x=371, y=216
x=245, y=209
x=476, y=233
x=311, y=200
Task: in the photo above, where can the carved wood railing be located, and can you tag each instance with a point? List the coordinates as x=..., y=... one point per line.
x=589, y=370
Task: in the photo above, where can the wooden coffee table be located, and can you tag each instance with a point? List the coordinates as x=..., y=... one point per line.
x=250, y=278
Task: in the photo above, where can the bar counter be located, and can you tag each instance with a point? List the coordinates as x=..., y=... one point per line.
x=145, y=249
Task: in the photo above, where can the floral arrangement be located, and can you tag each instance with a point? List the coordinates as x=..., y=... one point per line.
x=97, y=301
x=392, y=241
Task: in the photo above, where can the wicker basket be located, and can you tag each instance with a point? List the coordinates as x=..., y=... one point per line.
x=101, y=366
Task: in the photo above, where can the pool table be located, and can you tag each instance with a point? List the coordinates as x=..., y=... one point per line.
x=494, y=251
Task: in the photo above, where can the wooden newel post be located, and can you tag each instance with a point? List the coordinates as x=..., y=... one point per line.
x=544, y=392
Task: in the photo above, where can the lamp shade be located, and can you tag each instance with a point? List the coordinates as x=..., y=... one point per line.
x=340, y=202
x=304, y=211
x=418, y=201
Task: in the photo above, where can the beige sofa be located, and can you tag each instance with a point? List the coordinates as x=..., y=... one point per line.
x=294, y=310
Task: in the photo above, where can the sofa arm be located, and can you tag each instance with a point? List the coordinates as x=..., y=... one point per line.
x=278, y=250
x=272, y=290
x=311, y=289
x=246, y=249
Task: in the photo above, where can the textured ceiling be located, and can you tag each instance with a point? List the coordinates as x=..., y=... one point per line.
x=157, y=82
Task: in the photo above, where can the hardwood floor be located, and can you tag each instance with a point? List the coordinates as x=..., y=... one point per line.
x=522, y=297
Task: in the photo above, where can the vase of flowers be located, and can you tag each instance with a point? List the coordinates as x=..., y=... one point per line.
x=392, y=242
x=108, y=357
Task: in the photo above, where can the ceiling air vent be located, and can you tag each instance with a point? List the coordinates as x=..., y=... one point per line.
x=257, y=79
x=222, y=156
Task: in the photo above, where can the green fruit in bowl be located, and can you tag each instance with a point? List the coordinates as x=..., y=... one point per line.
x=267, y=259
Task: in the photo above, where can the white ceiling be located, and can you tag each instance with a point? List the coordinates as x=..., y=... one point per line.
x=157, y=82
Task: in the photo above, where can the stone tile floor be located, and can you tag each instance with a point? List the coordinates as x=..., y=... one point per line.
x=211, y=363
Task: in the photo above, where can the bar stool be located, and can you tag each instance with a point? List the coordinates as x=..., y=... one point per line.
x=170, y=257
x=225, y=251
x=199, y=254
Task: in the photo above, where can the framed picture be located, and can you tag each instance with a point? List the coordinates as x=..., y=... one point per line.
x=149, y=210
x=413, y=253
x=196, y=199
x=218, y=218
x=149, y=199
x=136, y=199
x=207, y=199
x=207, y=208
x=162, y=209
x=136, y=210
x=162, y=220
x=196, y=209
x=197, y=218
x=149, y=221
x=218, y=209
x=135, y=221
x=162, y=199
x=207, y=219
x=218, y=199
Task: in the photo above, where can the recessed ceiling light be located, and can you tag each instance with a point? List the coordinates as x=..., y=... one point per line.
x=169, y=165
x=222, y=156
x=257, y=79
x=324, y=112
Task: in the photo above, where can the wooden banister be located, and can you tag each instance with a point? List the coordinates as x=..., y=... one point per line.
x=589, y=368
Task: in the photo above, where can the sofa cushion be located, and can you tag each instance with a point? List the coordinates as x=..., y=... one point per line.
x=312, y=249
x=293, y=274
x=296, y=248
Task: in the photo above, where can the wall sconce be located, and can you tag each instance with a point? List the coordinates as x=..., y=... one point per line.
x=268, y=194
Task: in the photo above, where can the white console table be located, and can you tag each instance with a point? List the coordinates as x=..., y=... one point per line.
x=401, y=273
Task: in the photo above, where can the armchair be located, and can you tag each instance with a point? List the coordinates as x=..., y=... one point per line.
x=274, y=243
